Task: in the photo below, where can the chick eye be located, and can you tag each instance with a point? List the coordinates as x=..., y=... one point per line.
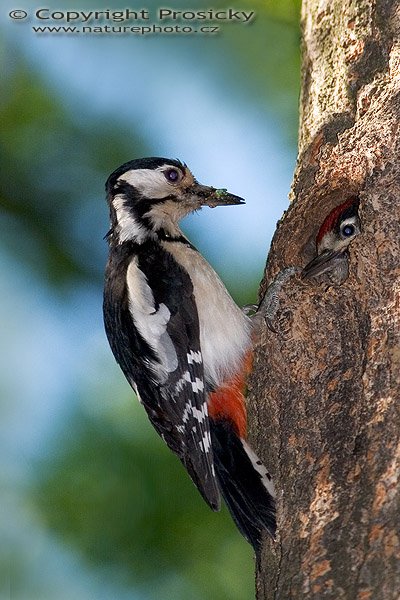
x=348, y=230
x=172, y=175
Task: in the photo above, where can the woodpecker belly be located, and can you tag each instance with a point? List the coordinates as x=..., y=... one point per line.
x=225, y=331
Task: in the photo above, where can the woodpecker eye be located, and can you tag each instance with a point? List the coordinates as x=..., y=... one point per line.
x=172, y=175
x=348, y=230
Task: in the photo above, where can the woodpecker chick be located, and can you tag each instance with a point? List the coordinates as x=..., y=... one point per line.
x=182, y=343
x=337, y=231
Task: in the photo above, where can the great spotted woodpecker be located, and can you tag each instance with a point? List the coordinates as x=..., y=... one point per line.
x=337, y=231
x=183, y=344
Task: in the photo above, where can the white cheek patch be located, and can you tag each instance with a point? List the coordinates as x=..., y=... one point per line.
x=151, y=323
x=151, y=183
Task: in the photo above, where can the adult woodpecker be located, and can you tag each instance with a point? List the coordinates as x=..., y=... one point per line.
x=183, y=344
x=337, y=231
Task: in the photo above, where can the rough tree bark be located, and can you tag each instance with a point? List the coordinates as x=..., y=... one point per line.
x=324, y=395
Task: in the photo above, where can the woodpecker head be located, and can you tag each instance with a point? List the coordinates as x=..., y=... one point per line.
x=338, y=230
x=153, y=194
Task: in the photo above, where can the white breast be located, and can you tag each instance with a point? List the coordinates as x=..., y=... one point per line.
x=224, y=329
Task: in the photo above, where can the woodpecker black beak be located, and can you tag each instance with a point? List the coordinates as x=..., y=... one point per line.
x=209, y=196
x=322, y=263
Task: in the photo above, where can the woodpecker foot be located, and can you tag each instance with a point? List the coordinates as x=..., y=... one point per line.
x=250, y=309
x=269, y=305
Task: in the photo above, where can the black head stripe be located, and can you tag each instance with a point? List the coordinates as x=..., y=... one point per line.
x=166, y=237
x=348, y=213
x=351, y=211
x=151, y=163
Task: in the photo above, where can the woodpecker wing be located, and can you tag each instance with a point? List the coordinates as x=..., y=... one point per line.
x=157, y=345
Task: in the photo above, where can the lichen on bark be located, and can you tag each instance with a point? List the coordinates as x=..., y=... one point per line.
x=324, y=399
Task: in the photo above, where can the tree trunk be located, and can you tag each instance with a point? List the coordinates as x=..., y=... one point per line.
x=324, y=398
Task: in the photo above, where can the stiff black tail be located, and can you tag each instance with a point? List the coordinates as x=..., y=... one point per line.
x=245, y=485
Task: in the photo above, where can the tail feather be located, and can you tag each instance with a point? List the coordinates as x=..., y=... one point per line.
x=204, y=481
x=243, y=484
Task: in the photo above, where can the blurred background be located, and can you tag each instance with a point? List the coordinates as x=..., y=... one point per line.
x=94, y=506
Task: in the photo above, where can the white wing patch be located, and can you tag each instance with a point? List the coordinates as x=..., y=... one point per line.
x=151, y=323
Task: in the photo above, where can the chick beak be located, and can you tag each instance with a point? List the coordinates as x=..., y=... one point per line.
x=322, y=263
x=210, y=196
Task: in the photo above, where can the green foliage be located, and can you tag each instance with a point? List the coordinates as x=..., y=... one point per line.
x=123, y=500
x=286, y=11
x=52, y=176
